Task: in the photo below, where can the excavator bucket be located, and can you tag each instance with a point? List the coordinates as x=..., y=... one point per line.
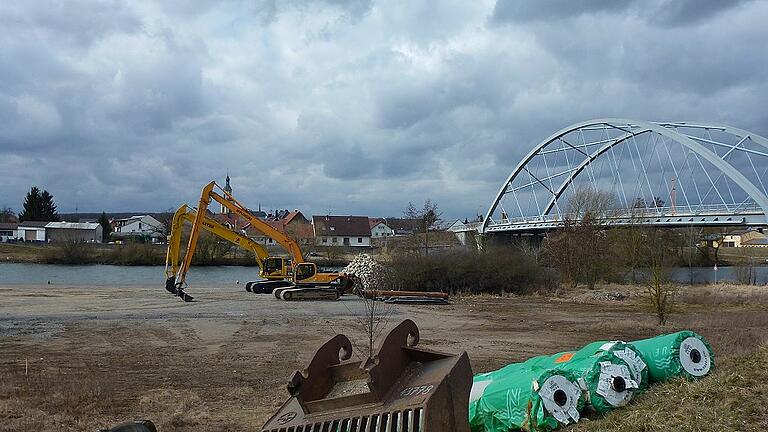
x=402, y=388
x=171, y=287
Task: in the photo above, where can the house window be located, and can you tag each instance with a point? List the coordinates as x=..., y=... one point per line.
x=6, y=233
x=139, y=225
x=335, y=240
x=325, y=239
x=359, y=239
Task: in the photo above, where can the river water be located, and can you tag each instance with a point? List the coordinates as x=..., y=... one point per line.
x=109, y=275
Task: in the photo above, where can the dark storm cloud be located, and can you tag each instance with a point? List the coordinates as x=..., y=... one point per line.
x=348, y=106
x=685, y=12
x=540, y=10
x=659, y=12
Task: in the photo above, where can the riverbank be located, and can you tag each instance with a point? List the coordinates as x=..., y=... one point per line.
x=137, y=254
x=79, y=358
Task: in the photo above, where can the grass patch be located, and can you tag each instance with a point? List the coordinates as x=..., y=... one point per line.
x=733, y=398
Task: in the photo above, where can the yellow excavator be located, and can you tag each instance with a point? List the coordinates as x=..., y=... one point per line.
x=274, y=271
x=287, y=279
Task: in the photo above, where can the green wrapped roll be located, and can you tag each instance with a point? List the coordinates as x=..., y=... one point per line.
x=610, y=373
x=684, y=353
x=630, y=355
x=605, y=379
x=517, y=397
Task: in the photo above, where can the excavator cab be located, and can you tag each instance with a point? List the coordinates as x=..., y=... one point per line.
x=276, y=268
x=305, y=270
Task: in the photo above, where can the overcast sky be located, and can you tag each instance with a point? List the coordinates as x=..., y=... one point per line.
x=342, y=106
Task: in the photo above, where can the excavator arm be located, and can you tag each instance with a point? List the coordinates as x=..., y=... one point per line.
x=186, y=214
x=209, y=194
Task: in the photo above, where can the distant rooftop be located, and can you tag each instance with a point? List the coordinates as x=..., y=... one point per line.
x=73, y=225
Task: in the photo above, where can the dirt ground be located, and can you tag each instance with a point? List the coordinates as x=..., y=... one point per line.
x=80, y=358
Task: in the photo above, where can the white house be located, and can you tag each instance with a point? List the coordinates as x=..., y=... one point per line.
x=353, y=231
x=32, y=231
x=379, y=228
x=745, y=238
x=8, y=231
x=138, y=226
x=459, y=229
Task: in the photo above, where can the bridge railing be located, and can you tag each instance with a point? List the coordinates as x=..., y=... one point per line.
x=638, y=214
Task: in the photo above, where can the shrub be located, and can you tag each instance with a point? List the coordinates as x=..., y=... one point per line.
x=70, y=252
x=135, y=254
x=496, y=270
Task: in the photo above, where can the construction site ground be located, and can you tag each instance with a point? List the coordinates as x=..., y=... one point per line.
x=79, y=358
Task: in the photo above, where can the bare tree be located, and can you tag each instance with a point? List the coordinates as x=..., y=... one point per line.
x=630, y=243
x=580, y=250
x=370, y=278
x=7, y=215
x=166, y=222
x=428, y=217
x=660, y=292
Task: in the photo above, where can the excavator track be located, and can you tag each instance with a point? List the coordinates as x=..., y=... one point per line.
x=267, y=286
x=291, y=294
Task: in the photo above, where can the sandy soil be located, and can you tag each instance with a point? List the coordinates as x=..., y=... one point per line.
x=76, y=358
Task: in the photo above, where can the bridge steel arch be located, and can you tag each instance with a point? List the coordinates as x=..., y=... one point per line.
x=632, y=129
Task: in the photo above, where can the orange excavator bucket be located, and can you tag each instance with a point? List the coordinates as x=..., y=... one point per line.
x=402, y=388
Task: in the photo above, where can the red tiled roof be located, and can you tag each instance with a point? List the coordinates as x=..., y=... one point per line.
x=372, y=222
x=291, y=215
x=341, y=226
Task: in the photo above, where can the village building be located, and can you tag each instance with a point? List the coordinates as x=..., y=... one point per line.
x=379, y=228
x=744, y=238
x=88, y=232
x=459, y=229
x=140, y=227
x=353, y=231
x=404, y=226
x=9, y=231
x=32, y=231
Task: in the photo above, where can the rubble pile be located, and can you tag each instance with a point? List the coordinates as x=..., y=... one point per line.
x=369, y=273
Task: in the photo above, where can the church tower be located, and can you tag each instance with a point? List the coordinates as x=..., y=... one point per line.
x=228, y=190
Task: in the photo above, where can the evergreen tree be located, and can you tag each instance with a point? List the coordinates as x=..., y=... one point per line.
x=39, y=207
x=49, y=207
x=106, y=227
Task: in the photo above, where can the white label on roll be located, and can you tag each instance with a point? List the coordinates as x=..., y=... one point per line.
x=688, y=357
x=568, y=411
x=477, y=389
x=634, y=361
x=608, y=372
x=608, y=345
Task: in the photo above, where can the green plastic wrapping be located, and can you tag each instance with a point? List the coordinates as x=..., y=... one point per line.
x=684, y=353
x=609, y=372
x=627, y=352
x=518, y=397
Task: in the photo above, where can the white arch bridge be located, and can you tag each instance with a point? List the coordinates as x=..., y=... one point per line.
x=655, y=173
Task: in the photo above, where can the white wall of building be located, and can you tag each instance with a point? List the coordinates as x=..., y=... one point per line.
x=381, y=230
x=140, y=226
x=8, y=234
x=32, y=233
x=353, y=241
